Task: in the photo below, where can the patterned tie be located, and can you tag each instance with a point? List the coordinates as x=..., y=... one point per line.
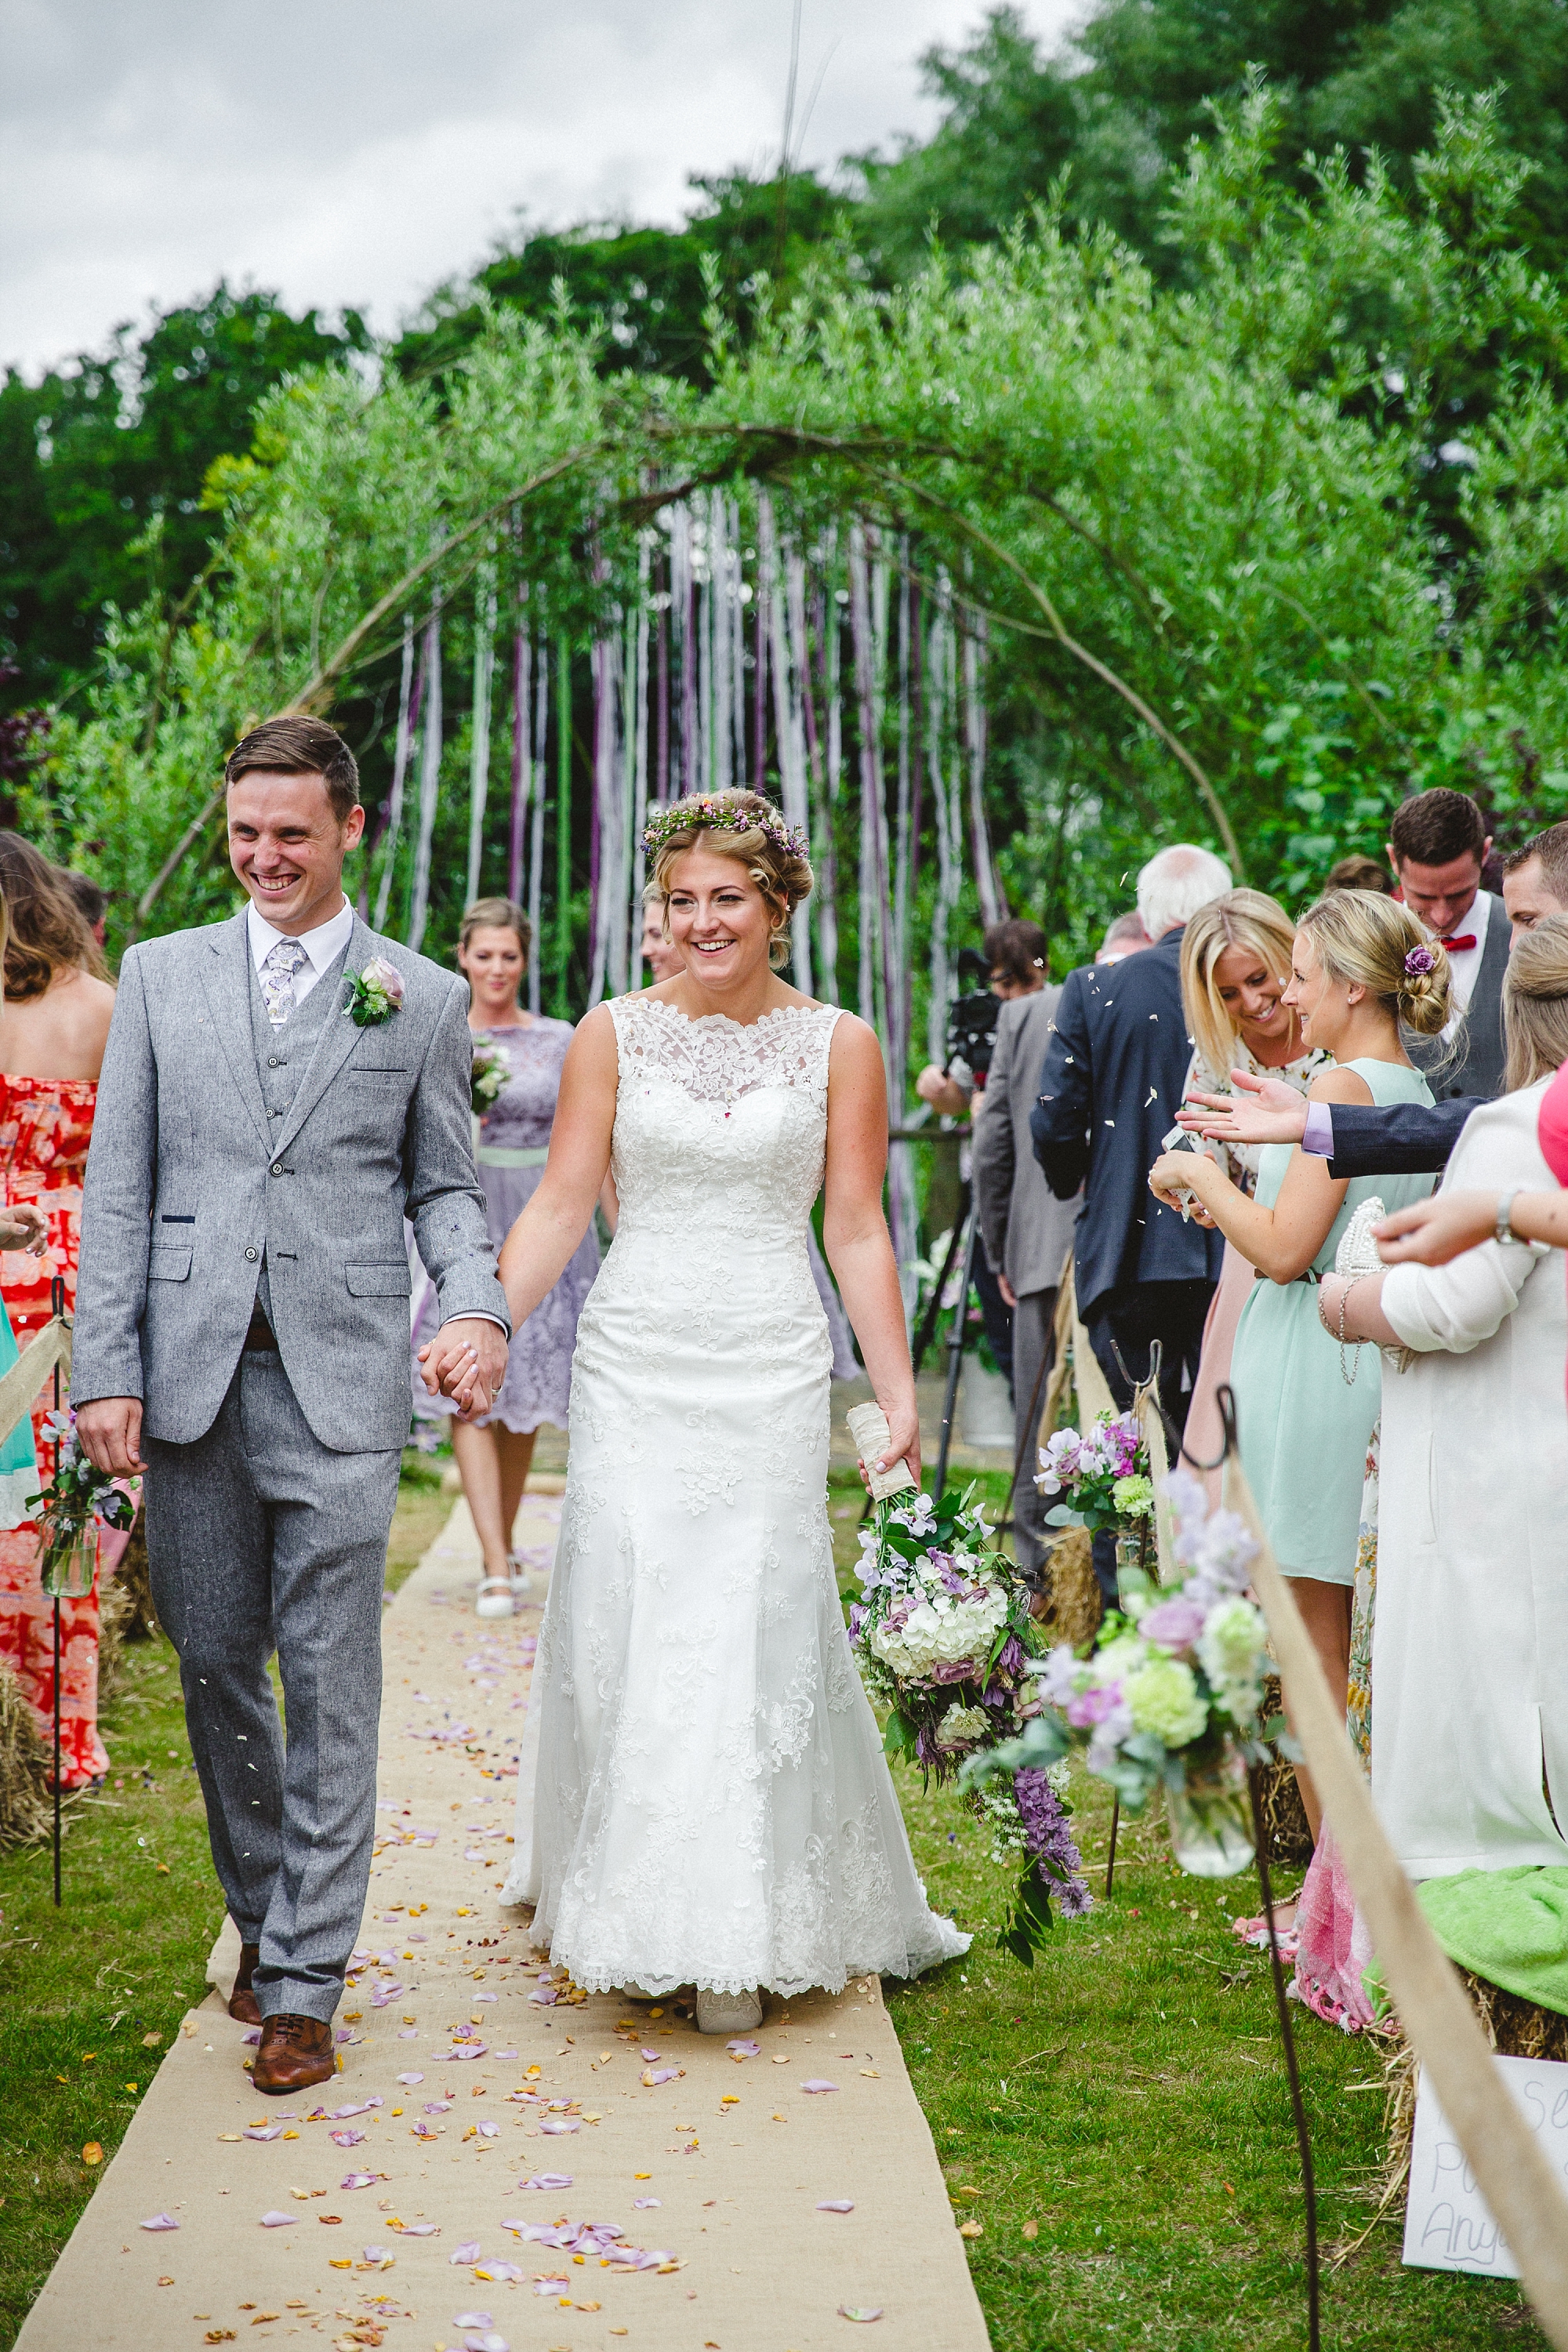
x=277, y=975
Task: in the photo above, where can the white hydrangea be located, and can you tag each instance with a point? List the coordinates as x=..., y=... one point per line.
x=961, y=1726
x=940, y=1631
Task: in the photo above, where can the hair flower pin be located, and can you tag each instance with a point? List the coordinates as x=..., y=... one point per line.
x=1419, y=962
x=374, y=994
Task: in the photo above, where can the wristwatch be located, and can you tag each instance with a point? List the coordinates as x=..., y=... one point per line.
x=1503, y=1229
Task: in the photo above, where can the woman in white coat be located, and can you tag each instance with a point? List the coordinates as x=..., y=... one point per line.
x=1470, y=1682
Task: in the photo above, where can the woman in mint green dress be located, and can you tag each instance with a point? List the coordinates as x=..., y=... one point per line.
x=1361, y=966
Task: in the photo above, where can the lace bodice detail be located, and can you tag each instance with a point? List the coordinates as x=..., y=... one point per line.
x=523, y=1112
x=719, y=1128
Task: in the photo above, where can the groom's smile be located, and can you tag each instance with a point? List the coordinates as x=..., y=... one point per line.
x=288, y=847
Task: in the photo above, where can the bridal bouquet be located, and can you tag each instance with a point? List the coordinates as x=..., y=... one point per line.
x=491, y=1069
x=943, y=1638
x=1170, y=1695
x=1104, y=1475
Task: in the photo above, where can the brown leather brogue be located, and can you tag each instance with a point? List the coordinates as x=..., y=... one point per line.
x=242, y=2001
x=295, y=2053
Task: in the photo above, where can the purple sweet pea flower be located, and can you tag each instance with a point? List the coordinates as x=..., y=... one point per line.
x=1093, y=1706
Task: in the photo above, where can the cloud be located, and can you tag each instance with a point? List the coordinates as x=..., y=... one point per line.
x=358, y=152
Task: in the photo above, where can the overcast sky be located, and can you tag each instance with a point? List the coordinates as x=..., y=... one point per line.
x=359, y=151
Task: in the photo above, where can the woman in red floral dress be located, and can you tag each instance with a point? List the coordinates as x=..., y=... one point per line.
x=54, y=1024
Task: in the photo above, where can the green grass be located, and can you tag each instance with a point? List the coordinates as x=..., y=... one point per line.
x=1145, y=2128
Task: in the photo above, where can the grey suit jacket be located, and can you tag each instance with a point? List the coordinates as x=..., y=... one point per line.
x=1027, y=1232
x=185, y=1191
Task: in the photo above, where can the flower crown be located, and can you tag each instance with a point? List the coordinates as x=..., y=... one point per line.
x=724, y=817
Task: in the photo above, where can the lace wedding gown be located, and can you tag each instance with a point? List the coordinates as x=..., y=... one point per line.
x=703, y=1796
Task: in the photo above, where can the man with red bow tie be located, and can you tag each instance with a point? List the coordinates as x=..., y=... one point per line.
x=1437, y=846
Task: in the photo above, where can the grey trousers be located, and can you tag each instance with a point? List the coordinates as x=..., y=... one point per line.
x=1033, y=1342
x=259, y=1539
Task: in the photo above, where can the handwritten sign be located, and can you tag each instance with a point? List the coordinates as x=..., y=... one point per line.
x=1447, y=2224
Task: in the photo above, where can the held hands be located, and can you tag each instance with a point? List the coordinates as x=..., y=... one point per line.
x=1431, y=1232
x=1272, y=1112
x=466, y=1361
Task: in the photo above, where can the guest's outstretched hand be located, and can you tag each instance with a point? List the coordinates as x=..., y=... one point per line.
x=1431, y=1232
x=1261, y=1110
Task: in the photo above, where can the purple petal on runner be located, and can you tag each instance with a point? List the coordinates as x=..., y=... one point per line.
x=278, y=2221
x=545, y=1998
x=160, y=2222
x=816, y=2084
x=642, y=2204
x=655, y=2075
x=487, y=2130
x=465, y=2254
x=650, y=2055
x=438, y=2106
x=411, y=2078
x=555, y=2124
x=408, y=2033
x=550, y=2285
x=344, y=2138
x=744, y=2049
x=499, y=2273
x=344, y=2033
x=837, y=2205
x=359, y=2179
x=506, y=2053
x=264, y=2131
x=860, y=2311
x=489, y=2342
x=473, y=2319
x=376, y=2255
x=252, y=2041
x=470, y=2050
x=422, y=2229
x=547, y=2181
x=485, y=1996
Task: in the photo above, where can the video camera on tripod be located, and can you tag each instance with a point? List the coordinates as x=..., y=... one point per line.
x=972, y=1017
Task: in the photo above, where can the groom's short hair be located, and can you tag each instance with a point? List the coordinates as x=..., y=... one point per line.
x=299, y=747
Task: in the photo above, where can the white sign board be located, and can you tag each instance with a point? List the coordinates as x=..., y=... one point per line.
x=1447, y=2224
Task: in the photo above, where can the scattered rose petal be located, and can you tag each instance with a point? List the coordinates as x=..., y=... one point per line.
x=468, y=2050
x=167, y=2221
x=359, y=2179
x=550, y=2285
x=468, y=2252
x=344, y=2138
x=473, y=2319
x=438, y=2106
x=411, y=2078
x=376, y=2255
x=547, y=2181
x=546, y=1997
x=506, y=2053
x=92, y=2153
x=499, y=2273
x=653, y=2076
x=744, y=2049
x=417, y=2228
x=860, y=2311
x=642, y=2204
x=252, y=2041
x=264, y=2131
x=278, y=2221
x=817, y=2085
x=555, y=2124
x=408, y=2033
x=487, y=2130
x=837, y=2205
x=485, y=1996
x=651, y=2055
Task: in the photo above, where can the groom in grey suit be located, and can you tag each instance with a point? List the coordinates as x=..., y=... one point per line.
x=242, y=1335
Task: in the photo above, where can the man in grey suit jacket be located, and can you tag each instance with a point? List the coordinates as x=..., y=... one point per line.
x=1027, y=1232
x=242, y=1335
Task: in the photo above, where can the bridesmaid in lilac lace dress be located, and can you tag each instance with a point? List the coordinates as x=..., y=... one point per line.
x=494, y=1454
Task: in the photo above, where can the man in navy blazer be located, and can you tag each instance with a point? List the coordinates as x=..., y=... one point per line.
x=1113, y=1083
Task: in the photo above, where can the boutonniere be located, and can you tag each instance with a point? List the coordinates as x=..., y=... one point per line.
x=375, y=993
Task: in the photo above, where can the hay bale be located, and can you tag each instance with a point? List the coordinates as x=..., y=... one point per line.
x=1289, y=1839
x=26, y=1810
x=1074, y=1604
x=134, y=1580
x=1514, y=2028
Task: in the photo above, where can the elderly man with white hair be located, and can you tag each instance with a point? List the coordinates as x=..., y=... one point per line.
x=1109, y=1091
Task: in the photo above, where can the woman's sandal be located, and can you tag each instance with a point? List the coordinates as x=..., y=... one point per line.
x=495, y=1597
x=517, y=1581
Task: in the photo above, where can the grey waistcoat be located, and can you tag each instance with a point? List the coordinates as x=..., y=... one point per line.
x=283, y=1056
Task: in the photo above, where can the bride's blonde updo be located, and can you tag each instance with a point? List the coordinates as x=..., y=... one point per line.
x=742, y=825
x=1367, y=939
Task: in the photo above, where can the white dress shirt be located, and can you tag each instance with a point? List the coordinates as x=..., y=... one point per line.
x=1464, y=963
x=322, y=945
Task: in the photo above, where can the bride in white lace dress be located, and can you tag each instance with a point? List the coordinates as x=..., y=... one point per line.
x=706, y=1800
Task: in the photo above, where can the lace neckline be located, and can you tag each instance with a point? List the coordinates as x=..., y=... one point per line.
x=702, y=1019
